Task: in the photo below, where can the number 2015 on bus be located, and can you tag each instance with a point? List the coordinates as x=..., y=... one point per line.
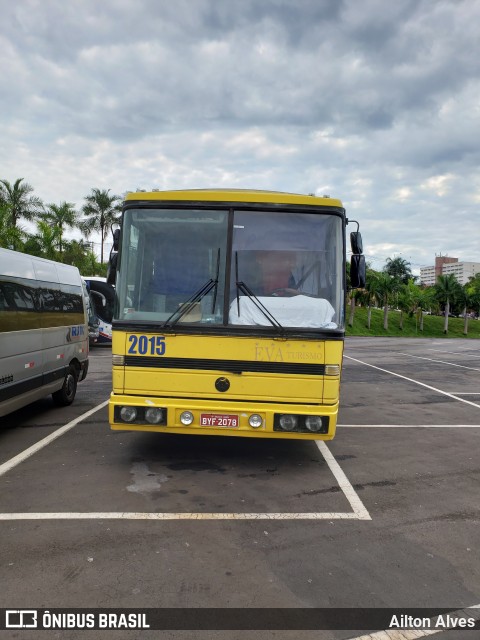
x=143, y=345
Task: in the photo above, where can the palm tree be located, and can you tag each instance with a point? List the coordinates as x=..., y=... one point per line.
x=61, y=215
x=422, y=300
x=447, y=288
x=354, y=294
x=398, y=268
x=18, y=200
x=466, y=296
x=405, y=302
x=410, y=300
x=371, y=293
x=386, y=285
x=46, y=240
x=101, y=212
x=473, y=286
x=10, y=237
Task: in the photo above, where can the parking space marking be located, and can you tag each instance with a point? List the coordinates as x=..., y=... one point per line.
x=462, y=366
x=118, y=515
x=456, y=353
x=343, y=482
x=13, y=462
x=466, y=393
x=422, y=384
x=359, y=511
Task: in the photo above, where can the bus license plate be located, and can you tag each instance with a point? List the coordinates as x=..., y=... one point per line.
x=218, y=420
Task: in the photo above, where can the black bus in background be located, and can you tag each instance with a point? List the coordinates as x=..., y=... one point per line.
x=102, y=295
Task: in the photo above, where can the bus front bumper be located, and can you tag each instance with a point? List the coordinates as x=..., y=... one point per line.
x=214, y=417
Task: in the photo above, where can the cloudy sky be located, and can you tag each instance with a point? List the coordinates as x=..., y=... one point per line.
x=371, y=101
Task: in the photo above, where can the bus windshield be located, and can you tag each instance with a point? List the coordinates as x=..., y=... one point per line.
x=232, y=268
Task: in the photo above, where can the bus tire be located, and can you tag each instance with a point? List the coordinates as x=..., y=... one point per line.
x=66, y=395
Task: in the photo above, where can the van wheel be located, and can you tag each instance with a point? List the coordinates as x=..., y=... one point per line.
x=66, y=394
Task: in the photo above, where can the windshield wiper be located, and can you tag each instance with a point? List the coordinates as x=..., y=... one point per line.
x=245, y=289
x=196, y=297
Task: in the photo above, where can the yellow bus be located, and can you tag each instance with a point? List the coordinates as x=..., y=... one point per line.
x=229, y=313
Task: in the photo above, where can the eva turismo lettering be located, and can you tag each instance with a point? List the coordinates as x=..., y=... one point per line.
x=446, y=621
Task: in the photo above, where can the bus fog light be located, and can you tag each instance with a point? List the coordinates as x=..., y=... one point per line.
x=186, y=417
x=288, y=423
x=314, y=423
x=255, y=421
x=128, y=414
x=153, y=415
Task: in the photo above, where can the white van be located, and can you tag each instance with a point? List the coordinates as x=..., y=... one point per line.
x=43, y=331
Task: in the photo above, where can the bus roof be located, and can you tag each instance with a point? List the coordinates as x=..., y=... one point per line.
x=234, y=195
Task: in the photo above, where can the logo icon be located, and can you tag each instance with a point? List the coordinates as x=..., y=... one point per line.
x=21, y=619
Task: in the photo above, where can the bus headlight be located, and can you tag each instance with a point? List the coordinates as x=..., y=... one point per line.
x=153, y=415
x=288, y=422
x=314, y=423
x=128, y=414
x=186, y=417
x=255, y=421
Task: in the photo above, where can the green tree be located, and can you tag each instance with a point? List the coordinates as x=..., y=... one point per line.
x=371, y=293
x=79, y=253
x=10, y=237
x=61, y=215
x=19, y=201
x=466, y=297
x=101, y=211
x=405, y=302
x=398, y=268
x=446, y=288
x=386, y=285
x=412, y=300
x=423, y=300
x=45, y=242
x=473, y=287
x=354, y=295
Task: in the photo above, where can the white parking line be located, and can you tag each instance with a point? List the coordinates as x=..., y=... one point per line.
x=451, y=364
x=422, y=384
x=13, y=462
x=359, y=511
x=343, y=482
x=118, y=515
x=459, y=352
x=465, y=393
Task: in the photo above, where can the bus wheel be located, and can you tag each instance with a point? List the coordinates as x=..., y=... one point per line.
x=66, y=394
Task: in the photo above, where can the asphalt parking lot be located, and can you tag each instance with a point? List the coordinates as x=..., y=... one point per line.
x=385, y=515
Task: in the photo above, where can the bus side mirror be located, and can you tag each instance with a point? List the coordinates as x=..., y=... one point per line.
x=356, y=242
x=112, y=268
x=116, y=239
x=358, y=271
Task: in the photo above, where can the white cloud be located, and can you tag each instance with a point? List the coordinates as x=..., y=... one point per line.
x=375, y=103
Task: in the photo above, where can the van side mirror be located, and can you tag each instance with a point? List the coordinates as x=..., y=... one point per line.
x=358, y=271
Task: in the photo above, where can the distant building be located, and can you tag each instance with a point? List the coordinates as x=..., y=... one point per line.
x=445, y=265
